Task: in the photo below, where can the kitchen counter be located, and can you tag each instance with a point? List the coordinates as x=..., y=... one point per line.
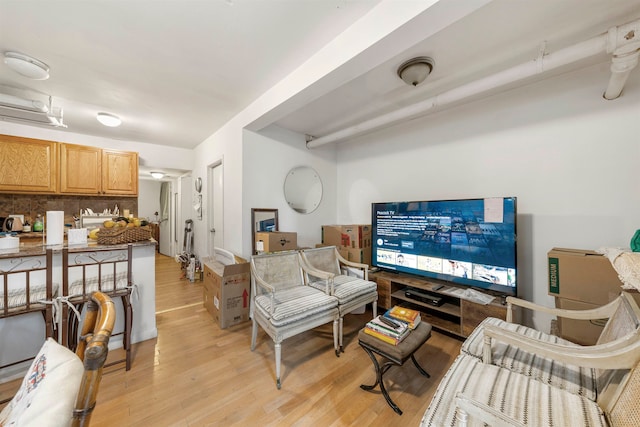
x=21, y=336
x=32, y=244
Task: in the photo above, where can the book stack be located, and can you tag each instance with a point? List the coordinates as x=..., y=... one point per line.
x=406, y=315
x=387, y=330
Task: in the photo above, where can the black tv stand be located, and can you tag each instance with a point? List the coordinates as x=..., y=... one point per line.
x=452, y=314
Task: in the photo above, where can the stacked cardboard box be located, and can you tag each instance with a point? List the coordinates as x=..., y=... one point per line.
x=581, y=279
x=226, y=291
x=274, y=241
x=353, y=241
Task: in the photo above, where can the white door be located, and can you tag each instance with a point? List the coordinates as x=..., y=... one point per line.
x=166, y=224
x=186, y=214
x=215, y=207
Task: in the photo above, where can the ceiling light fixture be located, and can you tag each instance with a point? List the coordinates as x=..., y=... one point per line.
x=157, y=175
x=26, y=66
x=109, y=120
x=414, y=71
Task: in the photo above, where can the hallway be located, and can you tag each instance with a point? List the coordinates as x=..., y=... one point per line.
x=173, y=290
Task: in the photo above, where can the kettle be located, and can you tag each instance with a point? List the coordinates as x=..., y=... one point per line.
x=12, y=224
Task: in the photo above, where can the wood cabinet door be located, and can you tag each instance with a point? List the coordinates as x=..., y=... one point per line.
x=120, y=172
x=28, y=165
x=80, y=169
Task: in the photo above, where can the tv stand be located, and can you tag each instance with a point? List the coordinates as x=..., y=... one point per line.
x=454, y=315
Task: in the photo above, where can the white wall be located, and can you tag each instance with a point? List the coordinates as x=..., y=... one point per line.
x=570, y=157
x=267, y=158
x=148, y=198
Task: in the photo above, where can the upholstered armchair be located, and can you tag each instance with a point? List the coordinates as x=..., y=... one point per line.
x=323, y=268
x=513, y=375
x=284, y=305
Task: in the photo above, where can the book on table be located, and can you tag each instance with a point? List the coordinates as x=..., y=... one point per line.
x=409, y=316
x=392, y=332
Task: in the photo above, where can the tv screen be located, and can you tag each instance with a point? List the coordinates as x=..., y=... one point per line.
x=470, y=242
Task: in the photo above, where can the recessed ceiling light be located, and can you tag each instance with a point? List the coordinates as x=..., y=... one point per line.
x=109, y=119
x=157, y=175
x=26, y=66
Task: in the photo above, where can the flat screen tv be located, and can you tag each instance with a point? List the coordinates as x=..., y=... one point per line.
x=470, y=242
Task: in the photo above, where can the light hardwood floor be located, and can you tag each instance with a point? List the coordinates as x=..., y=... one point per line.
x=195, y=374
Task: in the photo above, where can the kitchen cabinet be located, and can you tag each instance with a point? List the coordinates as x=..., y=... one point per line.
x=92, y=170
x=80, y=169
x=28, y=165
x=119, y=173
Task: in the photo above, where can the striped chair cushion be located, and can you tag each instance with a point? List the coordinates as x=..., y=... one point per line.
x=518, y=396
x=17, y=297
x=347, y=288
x=108, y=284
x=577, y=380
x=294, y=304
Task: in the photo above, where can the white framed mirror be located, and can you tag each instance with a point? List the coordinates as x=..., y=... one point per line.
x=303, y=189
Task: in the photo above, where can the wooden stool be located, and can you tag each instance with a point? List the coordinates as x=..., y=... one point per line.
x=395, y=355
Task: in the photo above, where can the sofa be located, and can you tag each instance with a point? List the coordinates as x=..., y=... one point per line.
x=512, y=375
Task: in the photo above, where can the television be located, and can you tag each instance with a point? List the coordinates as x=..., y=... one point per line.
x=469, y=242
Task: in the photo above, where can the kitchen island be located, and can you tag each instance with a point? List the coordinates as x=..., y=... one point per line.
x=22, y=335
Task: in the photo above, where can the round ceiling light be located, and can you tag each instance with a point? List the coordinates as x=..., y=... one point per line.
x=414, y=71
x=157, y=175
x=109, y=120
x=26, y=66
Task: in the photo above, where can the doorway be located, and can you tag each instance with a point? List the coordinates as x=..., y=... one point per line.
x=215, y=206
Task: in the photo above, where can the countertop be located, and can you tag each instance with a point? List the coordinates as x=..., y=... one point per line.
x=33, y=247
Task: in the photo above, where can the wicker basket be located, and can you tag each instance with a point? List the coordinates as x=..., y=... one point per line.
x=114, y=236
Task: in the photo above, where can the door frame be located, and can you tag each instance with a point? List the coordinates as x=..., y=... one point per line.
x=211, y=200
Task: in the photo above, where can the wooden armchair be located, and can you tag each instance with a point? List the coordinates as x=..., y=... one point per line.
x=513, y=375
x=283, y=305
x=549, y=358
x=323, y=270
x=57, y=389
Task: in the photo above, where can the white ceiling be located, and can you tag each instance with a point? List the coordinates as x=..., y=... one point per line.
x=176, y=70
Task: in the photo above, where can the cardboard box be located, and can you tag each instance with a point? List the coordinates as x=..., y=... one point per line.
x=582, y=275
x=274, y=241
x=584, y=332
x=361, y=255
x=226, y=291
x=351, y=236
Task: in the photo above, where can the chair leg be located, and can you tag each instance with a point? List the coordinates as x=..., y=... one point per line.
x=340, y=334
x=254, y=334
x=128, y=322
x=374, y=306
x=278, y=349
x=337, y=336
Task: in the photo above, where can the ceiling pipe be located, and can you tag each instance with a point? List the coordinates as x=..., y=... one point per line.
x=616, y=39
x=621, y=67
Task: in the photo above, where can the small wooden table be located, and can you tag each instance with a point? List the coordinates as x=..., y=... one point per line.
x=395, y=355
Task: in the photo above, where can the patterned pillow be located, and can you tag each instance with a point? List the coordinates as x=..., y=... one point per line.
x=49, y=389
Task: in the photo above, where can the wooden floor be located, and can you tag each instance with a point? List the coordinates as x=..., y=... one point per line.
x=195, y=374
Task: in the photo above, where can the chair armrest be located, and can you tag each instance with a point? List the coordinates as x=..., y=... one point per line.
x=324, y=275
x=623, y=353
x=602, y=312
x=363, y=267
x=483, y=413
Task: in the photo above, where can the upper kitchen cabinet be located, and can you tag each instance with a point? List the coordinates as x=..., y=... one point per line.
x=119, y=172
x=92, y=170
x=80, y=169
x=28, y=165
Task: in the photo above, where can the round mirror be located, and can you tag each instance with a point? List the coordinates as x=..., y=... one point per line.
x=303, y=189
